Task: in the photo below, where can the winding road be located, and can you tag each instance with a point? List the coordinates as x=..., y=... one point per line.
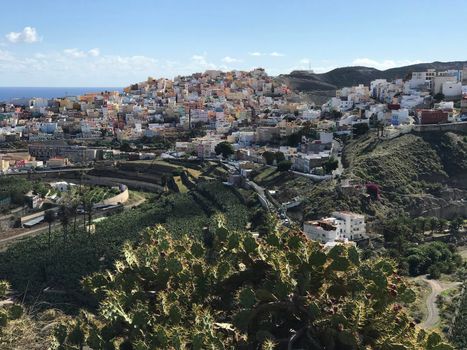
x=437, y=288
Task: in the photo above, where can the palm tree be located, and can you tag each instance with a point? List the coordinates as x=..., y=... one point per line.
x=433, y=224
x=87, y=209
x=442, y=223
x=73, y=207
x=49, y=217
x=64, y=214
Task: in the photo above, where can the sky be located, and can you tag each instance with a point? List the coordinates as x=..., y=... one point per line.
x=115, y=43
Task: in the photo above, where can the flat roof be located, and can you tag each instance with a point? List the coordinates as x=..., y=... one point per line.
x=34, y=221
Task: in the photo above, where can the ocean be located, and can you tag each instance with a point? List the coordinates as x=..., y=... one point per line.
x=8, y=94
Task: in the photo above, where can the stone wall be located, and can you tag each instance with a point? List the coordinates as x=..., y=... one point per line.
x=461, y=126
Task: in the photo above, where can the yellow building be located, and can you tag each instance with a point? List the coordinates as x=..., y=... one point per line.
x=4, y=165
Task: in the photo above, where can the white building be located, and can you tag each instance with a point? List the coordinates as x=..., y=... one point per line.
x=437, y=83
x=411, y=101
x=445, y=105
x=326, y=137
x=340, y=226
x=400, y=116
x=346, y=105
x=244, y=138
x=418, y=80
x=311, y=114
x=451, y=89
x=61, y=186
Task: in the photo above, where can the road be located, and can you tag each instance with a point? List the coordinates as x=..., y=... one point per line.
x=268, y=205
x=260, y=191
x=433, y=311
x=337, y=148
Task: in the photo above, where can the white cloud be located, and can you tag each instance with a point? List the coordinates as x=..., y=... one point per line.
x=126, y=63
x=27, y=35
x=383, y=64
x=272, y=54
x=198, y=58
x=94, y=52
x=75, y=53
x=75, y=67
x=5, y=56
x=228, y=59
x=201, y=62
x=276, y=54
x=304, y=61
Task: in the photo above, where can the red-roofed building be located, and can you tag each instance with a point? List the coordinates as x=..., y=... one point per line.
x=430, y=116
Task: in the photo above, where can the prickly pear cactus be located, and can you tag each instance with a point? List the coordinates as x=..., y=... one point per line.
x=238, y=291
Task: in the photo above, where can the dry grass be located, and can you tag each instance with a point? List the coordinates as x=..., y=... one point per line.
x=181, y=187
x=31, y=333
x=418, y=309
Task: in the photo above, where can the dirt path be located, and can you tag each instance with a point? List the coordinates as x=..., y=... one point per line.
x=437, y=288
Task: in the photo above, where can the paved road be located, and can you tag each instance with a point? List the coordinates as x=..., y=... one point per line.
x=260, y=190
x=433, y=311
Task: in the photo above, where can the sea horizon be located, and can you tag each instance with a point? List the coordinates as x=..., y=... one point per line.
x=17, y=93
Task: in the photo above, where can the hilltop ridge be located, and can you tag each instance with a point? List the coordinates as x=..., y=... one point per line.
x=347, y=76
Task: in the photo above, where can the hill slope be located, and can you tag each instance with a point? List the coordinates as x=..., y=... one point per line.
x=421, y=174
x=418, y=175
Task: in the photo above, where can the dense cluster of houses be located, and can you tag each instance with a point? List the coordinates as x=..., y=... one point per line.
x=250, y=110
x=429, y=97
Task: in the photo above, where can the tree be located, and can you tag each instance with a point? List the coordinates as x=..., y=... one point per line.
x=330, y=165
x=40, y=189
x=455, y=226
x=360, y=129
x=336, y=114
x=269, y=157
x=434, y=272
x=284, y=165
x=224, y=148
x=125, y=147
x=87, y=204
x=64, y=215
x=74, y=203
x=434, y=224
x=235, y=291
x=442, y=224
x=49, y=217
x=439, y=97
x=427, y=257
x=279, y=156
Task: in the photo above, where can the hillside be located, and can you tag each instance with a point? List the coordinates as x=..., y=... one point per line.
x=418, y=175
x=347, y=76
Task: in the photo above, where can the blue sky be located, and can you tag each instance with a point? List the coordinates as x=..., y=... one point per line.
x=115, y=43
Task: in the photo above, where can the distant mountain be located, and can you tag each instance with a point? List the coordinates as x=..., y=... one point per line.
x=348, y=76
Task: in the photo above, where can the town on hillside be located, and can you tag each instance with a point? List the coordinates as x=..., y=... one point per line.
x=187, y=117
x=378, y=168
